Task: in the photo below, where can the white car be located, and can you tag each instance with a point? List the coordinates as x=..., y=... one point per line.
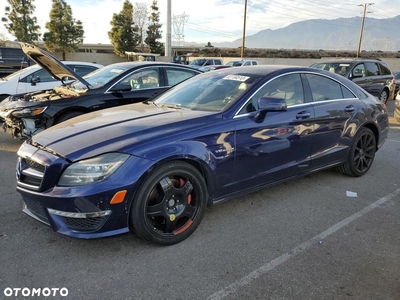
x=242, y=63
x=35, y=78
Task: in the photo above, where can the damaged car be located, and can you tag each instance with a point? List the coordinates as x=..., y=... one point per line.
x=25, y=115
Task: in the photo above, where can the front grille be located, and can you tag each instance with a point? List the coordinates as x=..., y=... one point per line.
x=34, y=165
x=85, y=224
x=37, y=209
x=30, y=173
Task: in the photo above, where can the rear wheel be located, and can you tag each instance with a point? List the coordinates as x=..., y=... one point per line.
x=361, y=154
x=67, y=116
x=170, y=204
x=383, y=97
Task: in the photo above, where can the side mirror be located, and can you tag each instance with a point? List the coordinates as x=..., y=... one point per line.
x=121, y=87
x=270, y=104
x=35, y=80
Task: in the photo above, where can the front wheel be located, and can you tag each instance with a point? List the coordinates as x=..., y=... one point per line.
x=361, y=154
x=170, y=204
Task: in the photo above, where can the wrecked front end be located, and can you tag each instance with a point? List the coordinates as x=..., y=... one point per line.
x=24, y=115
x=24, y=128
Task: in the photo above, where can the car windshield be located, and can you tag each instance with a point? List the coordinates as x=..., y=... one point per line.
x=209, y=92
x=334, y=67
x=197, y=62
x=99, y=77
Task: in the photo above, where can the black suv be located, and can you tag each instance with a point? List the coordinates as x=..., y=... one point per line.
x=12, y=60
x=373, y=75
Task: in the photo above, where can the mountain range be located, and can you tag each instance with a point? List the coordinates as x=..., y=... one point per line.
x=336, y=34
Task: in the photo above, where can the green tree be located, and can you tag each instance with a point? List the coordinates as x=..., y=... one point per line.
x=123, y=34
x=19, y=21
x=153, y=31
x=65, y=33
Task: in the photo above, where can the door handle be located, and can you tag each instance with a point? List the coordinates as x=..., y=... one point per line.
x=349, y=108
x=303, y=115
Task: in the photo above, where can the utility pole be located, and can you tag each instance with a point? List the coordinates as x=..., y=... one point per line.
x=168, y=35
x=244, y=30
x=365, y=5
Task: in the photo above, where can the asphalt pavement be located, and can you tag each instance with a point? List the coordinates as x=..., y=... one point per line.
x=324, y=236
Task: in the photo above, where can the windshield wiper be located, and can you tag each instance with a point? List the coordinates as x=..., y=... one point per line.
x=149, y=102
x=177, y=106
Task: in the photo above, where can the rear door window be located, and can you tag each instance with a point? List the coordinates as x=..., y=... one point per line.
x=372, y=69
x=385, y=69
x=175, y=76
x=323, y=88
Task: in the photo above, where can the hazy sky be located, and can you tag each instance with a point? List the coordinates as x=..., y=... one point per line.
x=215, y=20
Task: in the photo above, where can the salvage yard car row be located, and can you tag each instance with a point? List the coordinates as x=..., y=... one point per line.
x=117, y=84
x=154, y=166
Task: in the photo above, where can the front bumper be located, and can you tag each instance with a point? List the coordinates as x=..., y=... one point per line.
x=80, y=211
x=77, y=216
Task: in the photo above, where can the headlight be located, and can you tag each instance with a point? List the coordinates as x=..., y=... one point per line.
x=92, y=170
x=28, y=112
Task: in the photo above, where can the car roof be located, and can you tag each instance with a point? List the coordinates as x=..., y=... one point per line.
x=348, y=60
x=131, y=64
x=266, y=69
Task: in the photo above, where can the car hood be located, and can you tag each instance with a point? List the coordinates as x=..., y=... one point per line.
x=50, y=63
x=131, y=129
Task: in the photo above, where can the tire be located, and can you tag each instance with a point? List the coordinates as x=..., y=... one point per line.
x=361, y=154
x=67, y=116
x=169, y=205
x=384, y=96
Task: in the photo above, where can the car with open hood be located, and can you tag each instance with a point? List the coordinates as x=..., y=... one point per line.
x=153, y=167
x=35, y=78
x=116, y=84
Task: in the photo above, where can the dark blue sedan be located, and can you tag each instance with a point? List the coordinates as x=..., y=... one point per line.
x=153, y=167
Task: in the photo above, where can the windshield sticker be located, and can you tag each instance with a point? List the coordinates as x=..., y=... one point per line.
x=237, y=77
x=344, y=65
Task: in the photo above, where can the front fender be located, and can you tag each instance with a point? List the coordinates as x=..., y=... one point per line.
x=217, y=171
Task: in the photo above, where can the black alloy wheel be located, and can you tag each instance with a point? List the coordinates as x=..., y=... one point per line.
x=361, y=154
x=170, y=204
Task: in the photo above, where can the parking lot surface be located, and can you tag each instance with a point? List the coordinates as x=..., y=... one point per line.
x=325, y=236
